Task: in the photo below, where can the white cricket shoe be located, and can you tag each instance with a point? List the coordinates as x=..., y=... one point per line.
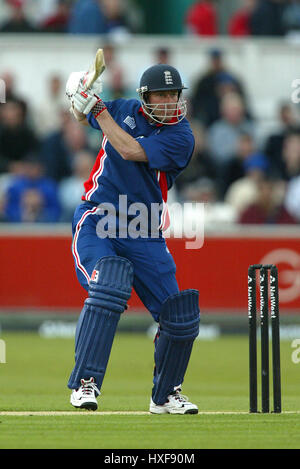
x=85, y=396
x=176, y=404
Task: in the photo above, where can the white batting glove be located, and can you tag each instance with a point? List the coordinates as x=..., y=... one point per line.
x=73, y=83
x=84, y=101
x=76, y=81
x=81, y=99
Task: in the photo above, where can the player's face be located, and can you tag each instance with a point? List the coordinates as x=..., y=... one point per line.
x=164, y=104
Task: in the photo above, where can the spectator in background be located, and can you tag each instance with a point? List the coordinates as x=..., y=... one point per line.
x=235, y=168
x=201, y=19
x=291, y=17
x=15, y=169
x=288, y=123
x=242, y=192
x=45, y=9
x=18, y=22
x=11, y=93
x=71, y=188
x=58, y=148
x=48, y=116
x=98, y=17
x=114, y=85
x=31, y=197
x=207, y=92
x=201, y=164
x=292, y=198
x=239, y=23
x=291, y=156
x=2, y=209
x=162, y=55
x=17, y=138
x=267, y=18
x=57, y=22
x=204, y=191
x=88, y=17
x=116, y=18
x=268, y=207
x=224, y=134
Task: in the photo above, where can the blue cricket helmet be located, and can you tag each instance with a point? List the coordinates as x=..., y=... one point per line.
x=160, y=77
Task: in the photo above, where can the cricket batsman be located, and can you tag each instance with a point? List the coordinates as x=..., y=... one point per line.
x=146, y=144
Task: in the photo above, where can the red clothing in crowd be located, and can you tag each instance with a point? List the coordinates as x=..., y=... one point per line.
x=56, y=23
x=239, y=24
x=201, y=19
x=255, y=214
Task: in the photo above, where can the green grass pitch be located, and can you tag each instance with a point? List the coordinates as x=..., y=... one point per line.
x=36, y=371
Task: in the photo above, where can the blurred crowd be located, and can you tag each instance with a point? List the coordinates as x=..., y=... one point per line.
x=250, y=18
x=119, y=17
x=70, y=16
x=240, y=177
x=46, y=156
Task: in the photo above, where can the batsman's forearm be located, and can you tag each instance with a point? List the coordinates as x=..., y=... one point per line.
x=80, y=117
x=122, y=142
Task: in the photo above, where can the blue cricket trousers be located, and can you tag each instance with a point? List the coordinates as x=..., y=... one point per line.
x=154, y=267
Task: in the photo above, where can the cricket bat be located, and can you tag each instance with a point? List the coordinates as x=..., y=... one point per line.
x=96, y=69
